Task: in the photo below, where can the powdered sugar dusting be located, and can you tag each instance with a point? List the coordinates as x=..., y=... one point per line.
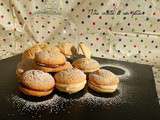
x=24, y=105
x=37, y=79
x=99, y=101
x=61, y=103
x=37, y=75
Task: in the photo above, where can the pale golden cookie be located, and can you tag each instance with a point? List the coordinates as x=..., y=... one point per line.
x=103, y=81
x=30, y=53
x=86, y=64
x=67, y=48
x=85, y=50
x=51, y=48
x=38, y=80
x=50, y=58
x=37, y=83
x=70, y=80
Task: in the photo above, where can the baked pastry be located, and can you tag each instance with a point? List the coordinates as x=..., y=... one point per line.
x=30, y=53
x=70, y=81
x=22, y=66
x=37, y=83
x=51, y=61
x=85, y=50
x=103, y=81
x=66, y=48
x=51, y=48
x=86, y=64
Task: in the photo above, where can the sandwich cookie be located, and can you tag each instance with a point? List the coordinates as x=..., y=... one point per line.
x=86, y=64
x=51, y=61
x=37, y=83
x=103, y=81
x=70, y=81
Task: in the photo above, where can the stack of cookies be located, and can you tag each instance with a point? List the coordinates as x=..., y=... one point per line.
x=44, y=67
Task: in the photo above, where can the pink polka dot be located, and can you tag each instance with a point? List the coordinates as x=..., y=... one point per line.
x=81, y=33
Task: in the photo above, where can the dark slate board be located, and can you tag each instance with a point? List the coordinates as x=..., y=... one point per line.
x=135, y=99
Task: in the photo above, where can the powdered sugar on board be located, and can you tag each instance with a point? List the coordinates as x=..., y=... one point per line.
x=23, y=105
x=60, y=102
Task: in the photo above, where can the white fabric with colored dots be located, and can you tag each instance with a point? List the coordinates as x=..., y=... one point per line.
x=124, y=30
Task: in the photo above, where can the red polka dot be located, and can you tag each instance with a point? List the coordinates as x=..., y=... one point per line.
x=30, y=13
x=2, y=16
x=135, y=46
x=97, y=39
x=94, y=23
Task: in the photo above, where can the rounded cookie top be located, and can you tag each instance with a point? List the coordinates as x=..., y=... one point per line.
x=51, y=48
x=103, y=77
x=50, y=58
x=70, y=76
x=38, y=80
x=86, y=64
x=30, y=53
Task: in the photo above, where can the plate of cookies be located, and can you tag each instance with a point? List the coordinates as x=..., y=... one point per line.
x=63, y=82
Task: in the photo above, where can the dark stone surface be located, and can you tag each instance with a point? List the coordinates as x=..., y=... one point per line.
x=137, y=95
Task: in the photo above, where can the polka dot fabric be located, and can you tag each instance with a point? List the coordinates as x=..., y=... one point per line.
x=124, y=30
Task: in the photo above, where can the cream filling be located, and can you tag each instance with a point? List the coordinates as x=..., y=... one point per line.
x=103, y=88
x=91, y=70
x=71, y=88
x=47, y=65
